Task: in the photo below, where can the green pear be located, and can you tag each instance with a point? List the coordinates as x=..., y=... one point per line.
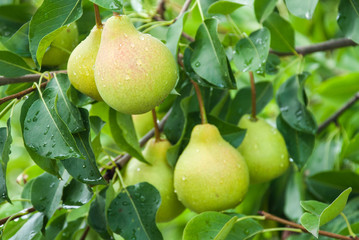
x=59, y=50
x=81, y=64
x=134, y=72
x=210, y=174
x=159, y=174
x=264, y=150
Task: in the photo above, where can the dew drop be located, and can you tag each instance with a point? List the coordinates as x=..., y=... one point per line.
x=124, y=203
x=198, y=64
x=84, y=166
x=138, y=169
x=142, y=37
x=184, y=178
x=142, y=198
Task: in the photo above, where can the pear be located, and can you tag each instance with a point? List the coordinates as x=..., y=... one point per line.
x=264, y=150
x=61, y=47
x=81, y=64
x=210, y=174
x=134, y=72
x=159, y=174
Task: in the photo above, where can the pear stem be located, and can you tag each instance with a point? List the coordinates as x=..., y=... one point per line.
x=116, y=14
x=253, y=89
x=200, y=102
x=155, y=124
x=97, y=16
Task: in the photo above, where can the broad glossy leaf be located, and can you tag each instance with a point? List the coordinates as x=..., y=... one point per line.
x=70, y=229
x=282, y=33
x=174, y=35
x=76, y=193
x=348, y=18
x=51, y=17
x=252, y=52
x=47, y=164
x=224, y=7
x=263, y=8
x=209, y=59
x=19, y=42
x=96, y=124
x=13, y=16
x=326, y=186
x=293, y=195
x=31, y=229
x=113, y=5
x=302, y=9
x=11, y=65
x=56, y=225
x=84, y=170
x=292, y=101
x=44, y=131
x=123, y=132
x=242, y=102
x=5, y=142
x=132, y=213
x=311, y=223
x=46, y=193
x=299, y=144
x=69, y=114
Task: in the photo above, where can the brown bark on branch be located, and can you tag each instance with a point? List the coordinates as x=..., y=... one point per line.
x=25, y=78
x=27, y=211
x=319, y=47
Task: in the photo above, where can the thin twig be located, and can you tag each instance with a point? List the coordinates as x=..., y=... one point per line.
x=25, y=78
x=320, y=47
x=184, y=9
x=26, y=211
x=84, y=235
x=200, y=102
x=296, y=225
x=155, y=126
x=21, y=94
x=161, y=10
x=335, y=116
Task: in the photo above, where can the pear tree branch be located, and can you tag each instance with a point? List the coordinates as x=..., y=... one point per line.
x=253, y=91
x=20, y=214
x=25, y=78
x=155, y=125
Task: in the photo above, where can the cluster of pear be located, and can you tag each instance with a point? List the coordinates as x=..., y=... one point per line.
x=130, y=71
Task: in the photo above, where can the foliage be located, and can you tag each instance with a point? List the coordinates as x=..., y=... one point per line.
x=58, y=146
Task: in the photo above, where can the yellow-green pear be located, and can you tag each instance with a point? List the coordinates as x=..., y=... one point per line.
x=159, y=174
x=59, y=50
x=210, y=174
x=264, y=150
x=81, y=64
x=134, y=72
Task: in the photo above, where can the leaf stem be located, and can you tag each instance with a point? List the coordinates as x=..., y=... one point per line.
x=251, y=217
x=159, y=24
x=97, y=16
x=350, y=230
x=253, y=94
x=155, y=124
x=281, y=229
x=200, y=9
x=200, y=102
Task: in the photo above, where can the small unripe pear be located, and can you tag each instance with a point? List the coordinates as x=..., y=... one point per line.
x=210, y=174
x=61, y=47
x=263, y=149
x=134, y=72
x=81, y=64
x=159, y=174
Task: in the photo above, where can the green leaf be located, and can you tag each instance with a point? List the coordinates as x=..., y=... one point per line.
x=252, y=52
x=263, y=8
x=302, y=9
x=113, y=5
x=174, y=34
x=123, y=132
x=46, y=193
x=56, y=225
x=97, y=215
x=321, y=213
x=76, y=193
x=292, y=101
x=11, y=65
x=13, y=16
x=209, y=59
x=19, y=42
x=84, y=170
x=299, y=144
x=5, y=142
x=282, y=33
x=69, y=114
x=31, y=229
x=348, y=18
x=47, y=164
x=50, y=19
x=132, y=213
x=96, y=124
x=242, y=102
x=352, y=150
x=45, y=132
x=70, y=229
x=326, y=186
x=224, y=7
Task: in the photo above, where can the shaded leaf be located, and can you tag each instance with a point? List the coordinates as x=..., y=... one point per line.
x=50, y=19
x=132, y=213
x=5, y=142
x=263, y=8
x=209, y=59
x=31, y=229
x=252, y=52
x=124, y=134
x=348, y=18
x=76, y=193
x=18, y=43
x=84, y=170
x=174, y=35
x=11, y=65
x=44, y=131
x=56, y=225
x=302, y=9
